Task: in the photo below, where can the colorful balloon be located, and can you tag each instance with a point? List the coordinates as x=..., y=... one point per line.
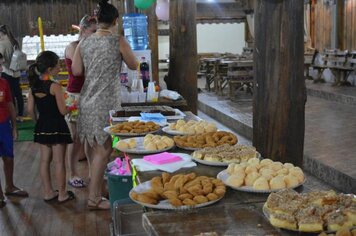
x=143, y=4
x=162, y=10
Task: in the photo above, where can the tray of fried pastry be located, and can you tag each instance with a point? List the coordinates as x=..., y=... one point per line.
x=178, y=192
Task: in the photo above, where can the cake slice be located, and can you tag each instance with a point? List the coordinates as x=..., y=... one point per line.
x=310, y=224
x=285, y=221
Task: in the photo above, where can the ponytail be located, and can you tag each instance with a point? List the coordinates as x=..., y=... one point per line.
x=5, y=30
x=44, y=61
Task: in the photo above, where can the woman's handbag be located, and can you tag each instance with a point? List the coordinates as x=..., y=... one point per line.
x=18, y=60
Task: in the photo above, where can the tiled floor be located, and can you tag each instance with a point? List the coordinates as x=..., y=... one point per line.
x=330, y=129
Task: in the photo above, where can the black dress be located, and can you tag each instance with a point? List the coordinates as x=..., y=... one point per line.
x=51, y=127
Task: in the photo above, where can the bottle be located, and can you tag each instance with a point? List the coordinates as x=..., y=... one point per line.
x=144, y=72
x=135, y=30
x=151, y=92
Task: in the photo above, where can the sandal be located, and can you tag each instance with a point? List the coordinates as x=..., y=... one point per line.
x=98, y=205
x=71, y=196
x=77, y=182
x=17, y=193
x=55, y=197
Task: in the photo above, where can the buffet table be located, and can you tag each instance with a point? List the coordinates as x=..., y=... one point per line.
x=180, y=104
x=237, y=213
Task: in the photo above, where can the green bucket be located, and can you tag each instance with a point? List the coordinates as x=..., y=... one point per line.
x=119, y=187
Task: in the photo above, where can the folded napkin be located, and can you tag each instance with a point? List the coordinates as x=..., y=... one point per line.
x=186, y=162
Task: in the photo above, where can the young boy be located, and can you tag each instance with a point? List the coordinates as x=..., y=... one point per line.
x=8, y=132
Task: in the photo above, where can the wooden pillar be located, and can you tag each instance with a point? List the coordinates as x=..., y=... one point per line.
x=340, y=19
x=312, y=23
x=183, y=51
x=153, y=40
x=280, y=93
x=129, y=6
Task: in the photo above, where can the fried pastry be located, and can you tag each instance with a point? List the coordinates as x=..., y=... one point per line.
x=261, y=184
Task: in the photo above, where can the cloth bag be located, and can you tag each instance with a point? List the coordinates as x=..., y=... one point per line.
x=18, y=60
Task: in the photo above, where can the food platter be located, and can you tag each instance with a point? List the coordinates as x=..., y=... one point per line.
x=223, y=175
x=107, y=130
x=170, y=131
x=140, y=148
x=267, y=215
x=215, y=163
x=188, y=148
x=165, y=205
x=179, y=115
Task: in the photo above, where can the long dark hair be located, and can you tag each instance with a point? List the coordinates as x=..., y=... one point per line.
x=106, y=13
x=44, y=60
x=5, y=30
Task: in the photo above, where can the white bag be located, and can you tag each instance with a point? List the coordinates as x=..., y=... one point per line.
x=18, y=61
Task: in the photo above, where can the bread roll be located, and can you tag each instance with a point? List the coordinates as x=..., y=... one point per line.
x=253, y=161
x=261, y=184
x=291, y=181
x=283, y=171
x=288, y=165
x=122, y=145
x=250, y=169
x=276, y=166
x=151, y=146
x=132, y=143
x=267, y=171
x=251, y=178
x=230, y=168
x=235, y=180
x=277, y=183
x=161, y=145
x=265, y=162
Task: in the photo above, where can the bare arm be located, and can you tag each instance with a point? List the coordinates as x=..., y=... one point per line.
x=77, y=62
x=31, y=106
x=12, y=111
x=70, y=50
x=127, y=53
x=57, y=91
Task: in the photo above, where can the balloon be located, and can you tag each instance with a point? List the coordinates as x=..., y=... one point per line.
x=162, y=10
x=143, y=4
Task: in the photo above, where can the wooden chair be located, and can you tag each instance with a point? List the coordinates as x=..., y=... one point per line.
x=240, y=74
x=337, y=64
x=220, y=79
x=309, y=57
x=327, y=57
x=350, y=66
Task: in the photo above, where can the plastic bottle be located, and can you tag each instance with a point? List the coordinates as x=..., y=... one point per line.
x=151, y=92
x=135, y=30
x=144, y=72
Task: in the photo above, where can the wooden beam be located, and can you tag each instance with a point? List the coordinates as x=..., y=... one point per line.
x=340, y=24
x=153, y=40
x=183, y=51
x=280, y=92
x=312, y=23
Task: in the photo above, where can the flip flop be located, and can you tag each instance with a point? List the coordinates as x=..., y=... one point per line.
x=17, y=193
x=96, y=204
x=77, y=182
x=71, y=196
x=55, y=197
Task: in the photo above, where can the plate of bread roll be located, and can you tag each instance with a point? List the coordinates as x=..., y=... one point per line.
x=182, y=127
x=311, y=212
x=178, y=192
x=225, y=154
x=132, y=128
x=145, y=145
x=262, y=176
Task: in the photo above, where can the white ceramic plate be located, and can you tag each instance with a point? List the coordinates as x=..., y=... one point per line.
x=188, y=148
x=212, y=163
x=140, y=148
x=107, y=130
x=223, y=175
x=146, y=186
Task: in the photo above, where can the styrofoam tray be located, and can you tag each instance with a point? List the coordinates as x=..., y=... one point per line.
x=223, y=175
x=146, y=186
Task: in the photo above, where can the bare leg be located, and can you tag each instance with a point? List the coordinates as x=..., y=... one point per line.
x=46, y=158
x=60, y=170
x=100, y=155
x=2, y=198
x=75, y=151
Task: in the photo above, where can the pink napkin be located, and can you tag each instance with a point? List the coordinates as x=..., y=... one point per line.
x=162, y=158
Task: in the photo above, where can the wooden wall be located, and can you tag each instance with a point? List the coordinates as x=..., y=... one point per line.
x=323, y=26
x=57, y=15
x=350, y=25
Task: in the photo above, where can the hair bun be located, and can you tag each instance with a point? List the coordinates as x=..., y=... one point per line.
x=103, y=2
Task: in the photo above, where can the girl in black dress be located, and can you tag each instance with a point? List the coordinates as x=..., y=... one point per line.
x=51, y=130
